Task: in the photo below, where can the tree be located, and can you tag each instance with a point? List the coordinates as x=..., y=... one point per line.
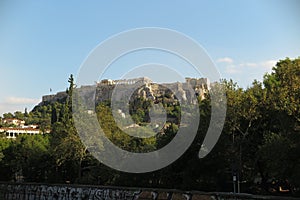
x=27, y=157
x=281, y=144
x=67, y=147
x=19, y=115
x=8, y=115
x=283, y=86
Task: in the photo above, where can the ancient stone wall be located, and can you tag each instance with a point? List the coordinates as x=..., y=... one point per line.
x=53, y=97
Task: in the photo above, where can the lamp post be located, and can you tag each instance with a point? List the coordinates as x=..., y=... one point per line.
x=236, y=167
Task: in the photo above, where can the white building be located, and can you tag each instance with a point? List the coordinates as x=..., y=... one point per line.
x=12, y=132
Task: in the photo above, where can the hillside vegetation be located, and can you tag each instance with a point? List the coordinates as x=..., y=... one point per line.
x=260, y=142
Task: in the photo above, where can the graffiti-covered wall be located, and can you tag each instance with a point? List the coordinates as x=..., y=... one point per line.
x=13, y=191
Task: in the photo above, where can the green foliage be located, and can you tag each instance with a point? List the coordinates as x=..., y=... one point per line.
x=19, y=115
x=139, y=110
x=261, y=138
x=28, y=155
x=283, y=87
x=4, y=144
x=8, y=115
x=118, y=137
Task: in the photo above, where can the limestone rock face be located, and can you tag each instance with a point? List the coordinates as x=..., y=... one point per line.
x=124, y=90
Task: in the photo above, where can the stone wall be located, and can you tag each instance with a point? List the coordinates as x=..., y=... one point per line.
x=53, y=97
x=18, y=191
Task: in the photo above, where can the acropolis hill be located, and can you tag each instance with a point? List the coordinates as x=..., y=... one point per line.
x=148, y=89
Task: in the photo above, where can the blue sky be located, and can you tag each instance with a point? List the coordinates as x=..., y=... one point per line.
x=43, y=42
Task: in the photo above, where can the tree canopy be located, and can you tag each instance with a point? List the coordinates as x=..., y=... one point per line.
x=260, y=141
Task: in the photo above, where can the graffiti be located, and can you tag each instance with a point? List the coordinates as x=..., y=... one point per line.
x=46, y=192
x=43, y=192
x=14, y=191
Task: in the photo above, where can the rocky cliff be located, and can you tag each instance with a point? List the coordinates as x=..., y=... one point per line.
x=123, y=91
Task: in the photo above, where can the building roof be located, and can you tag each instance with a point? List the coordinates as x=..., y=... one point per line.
x=11, y=119
x=17, y=129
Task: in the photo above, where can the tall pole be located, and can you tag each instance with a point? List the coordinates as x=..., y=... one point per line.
x=234, y=180
x=240, y=167
x=238, y=185
x=233, y=168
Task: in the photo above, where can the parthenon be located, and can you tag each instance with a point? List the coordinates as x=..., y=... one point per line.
x=144, y=80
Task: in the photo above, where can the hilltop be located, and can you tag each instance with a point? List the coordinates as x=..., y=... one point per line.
x=147, y=89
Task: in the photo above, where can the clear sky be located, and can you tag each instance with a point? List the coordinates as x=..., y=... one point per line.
x=43, y=42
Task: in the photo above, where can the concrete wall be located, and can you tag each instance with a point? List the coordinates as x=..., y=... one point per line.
x=15, y=191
